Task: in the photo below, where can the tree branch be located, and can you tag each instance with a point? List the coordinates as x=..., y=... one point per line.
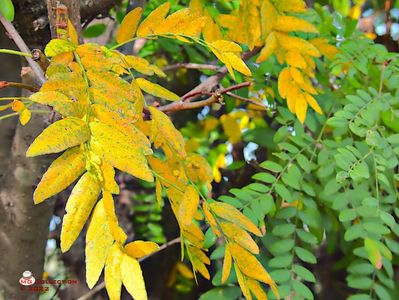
x=191, y=66
x=101, y=286
x=23, y=47
x=4, y=84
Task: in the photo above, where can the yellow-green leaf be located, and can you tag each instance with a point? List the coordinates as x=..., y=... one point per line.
x=119, y=150
x=256, y=289
x=112, y=273
x=58, y=46
x=117, y=232
x=240, y=236
x=129, y=25
x=59, y=136
x=61, y=173
x=132, y=278
x=148, y=26
x=232, y=214
x=98, y=243
x=163, y=132
x=80, y=203
x=242, y=282
x=268, y=49
x=60, y=102
x=139, y=249
x=73, y=35
x=188, y=206
x=156, y=90
x=24, y=116
x=290, y=23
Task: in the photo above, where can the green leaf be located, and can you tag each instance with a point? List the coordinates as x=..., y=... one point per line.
x=283, y=192
x=58, y=46
x=359, y=171
x=305, y=255
x=358, y=282
x=271, y=166
x=222, y=293
x=280, y=276
x=94, y=30
x=264, y=177
x=304, y=273
x=347, y=215
x=382, y=292
x=7, y=10
x=361, y=268
x=282, y=246
x=282, y=261
x=283, y=230
x=373, y=253
x=353, y=232
x=302, y=289
x=307, y=237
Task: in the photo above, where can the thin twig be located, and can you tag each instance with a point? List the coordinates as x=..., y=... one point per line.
x=101, y=286
x=191, y=66
x=216, y=96
x=23, y=47
x=4, y=84
x=245, y=99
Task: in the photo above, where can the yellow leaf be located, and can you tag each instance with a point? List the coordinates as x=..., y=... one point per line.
x=242, y=283
x=256, y=289
x=112, y=273
x=61, y=173
x=188, y=206
x=18, y=105
x=293, y=43
x=237, y=63
x=198, y=169
x=226, y=265
x=108, y=174
x=211, y=31
x=240, y=236
x=139, y=249
x=297, y=76
x=301, y=107
x=24, y=116
x=250, y=266
x=98, y=243
x=61, y=103
x=284, y=82
x=268, y=49
x=324, y=47
x=200, y=267
x=58, y=46
x=129, y=25
x=73, y=35
x=156, y=90
x=230, y=213
x=147, y=27
x=199, y=253
x=231, y=128
x=80, y=203
x=210, y=218
x=226, y=46
x=268, y=17
x=290, y=24
x=313, y=103
x=295, y=6
x=295, y=59
x=117, y=232
x=120, y=151
x=59, y=136
x=132, y=278
x=139, y=64
x=184, y=270
x=158, y=191
x=170, y=172
x=164, y=133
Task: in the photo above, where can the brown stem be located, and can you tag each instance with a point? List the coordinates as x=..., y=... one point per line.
x=192, y=66
x=245, y=99
x=23, y=47
x=4, y=84
x=216, y=96
x=101, y=286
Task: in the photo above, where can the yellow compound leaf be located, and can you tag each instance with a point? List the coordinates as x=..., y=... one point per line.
x=313, y=103
x=112, y=273
x=24, y=117
x=236, y=63
x=117, y=232
x=139, y=249
x=242, y=282
x=291, y=24
x=163, y=132
x=58, y=46
x=61, y=103
x=269, y=16
x=256, y=289
x=61, y=173
x=148, y=26
x=120, y=151
x=98, y=243
x=139, y=64
x=59, y=136
x=240, y=236
x=80, y=203
x=230, y=213
x=129, y=25
x=73, y=35
x=250, y=266
x=295, y=6
x=268, y=49
x=156, y=90
x=198, y=169
x=132, y=278
x=210, y=218
x=226, y=265
x=188, y=206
